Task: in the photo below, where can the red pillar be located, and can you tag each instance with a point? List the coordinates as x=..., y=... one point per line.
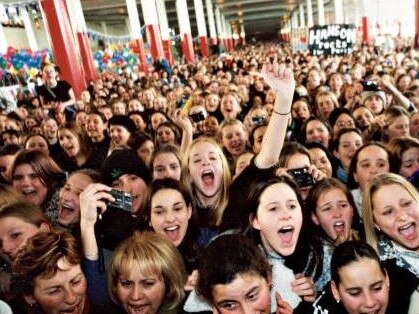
x=231, y=43
x=417, y=24
x=86, y=57
x=187, y=48
x=203, y=42
x=365, y=30
x=167, y=47
x=154, y=39
x=63, y=44
x=138, y=47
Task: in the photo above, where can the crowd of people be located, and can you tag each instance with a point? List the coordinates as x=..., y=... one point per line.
x=259, y=180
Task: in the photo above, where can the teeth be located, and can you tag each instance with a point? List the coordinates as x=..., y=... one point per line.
x=405, y=226
x=172, y=228
x=286, y=229
x=338, y=224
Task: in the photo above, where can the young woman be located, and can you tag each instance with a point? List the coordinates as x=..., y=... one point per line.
x=77, y=149
x=206, y=170
x=234, y=139
x=369, y=160
x=69, y=205
x=333, y=214
x=397, y=123
x=316, y=130
x=38, y=178
x=146, y=275
x=241, y=280
x=360, y=283
x=36, y=141
x=391, y=220
x=143, y=144
x=295, y=156
x=276, y=224
x=168, y=211
x=341, y=118
x=166, y=162
x=325, y=103
x=321, y=158
x=167, y=133
x=48, y=276
x=405, y=154
x=344, y=146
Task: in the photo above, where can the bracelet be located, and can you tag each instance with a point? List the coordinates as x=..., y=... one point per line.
x=281, y=114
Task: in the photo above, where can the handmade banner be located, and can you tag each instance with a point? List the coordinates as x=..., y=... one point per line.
x=333, y=39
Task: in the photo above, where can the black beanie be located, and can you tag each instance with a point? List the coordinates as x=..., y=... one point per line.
x=124, y=121
x=124, y=161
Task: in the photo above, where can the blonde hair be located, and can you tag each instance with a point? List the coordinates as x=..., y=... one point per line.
x=367, y=205
x=217, y=210
x=150, y=253
x=229, y=122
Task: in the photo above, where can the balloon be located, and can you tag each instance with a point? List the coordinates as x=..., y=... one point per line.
x=3, y=63
x=1, y=72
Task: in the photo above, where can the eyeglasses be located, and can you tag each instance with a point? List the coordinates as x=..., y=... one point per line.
x=342, y=124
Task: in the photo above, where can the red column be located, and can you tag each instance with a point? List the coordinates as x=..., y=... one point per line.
x=63, y=44
x=137, y=46
x=154, y=39
x=86, y=57
x=365, y=30
x=167, y=47
x=187, y=48
x=203, y=42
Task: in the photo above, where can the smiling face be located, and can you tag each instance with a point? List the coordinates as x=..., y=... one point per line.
x=29, y=184
x=247, y=293
x=234, y=139
x=69, y=210
x=363, y=287
x=170, y=215
x=37, y=142
x=119, y=135
x=69, y=142
x=14, y=232
x=279, y=218
x=396, y=213
x=140, y=293
x=333, y=213
x=65, y=292
x=229, y=107
x=206, y=170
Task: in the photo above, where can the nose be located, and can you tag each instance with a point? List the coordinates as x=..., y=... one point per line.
x=369, y=300
x=8, y=247
x=136, y=293
x=70, y=296
x=401, y=214
x=336, y=212
x=169, y=216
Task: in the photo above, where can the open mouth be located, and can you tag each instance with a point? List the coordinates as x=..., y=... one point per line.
x=173, y=232
x=66, y=209
x=28, y=191
x=140, y=308
x=73, y=309
x=286, y=234
x=408, y=231
x=207, y=177
x=339, y=227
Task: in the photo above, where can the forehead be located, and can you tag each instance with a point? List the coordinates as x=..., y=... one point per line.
x=79, y=179
x=165, y=157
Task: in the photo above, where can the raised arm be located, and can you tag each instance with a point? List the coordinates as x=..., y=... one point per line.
x=281, y=80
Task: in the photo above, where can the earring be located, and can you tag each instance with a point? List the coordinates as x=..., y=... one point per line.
x=338, y=301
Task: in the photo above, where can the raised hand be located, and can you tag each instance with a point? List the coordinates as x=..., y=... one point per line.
x=281, y=80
